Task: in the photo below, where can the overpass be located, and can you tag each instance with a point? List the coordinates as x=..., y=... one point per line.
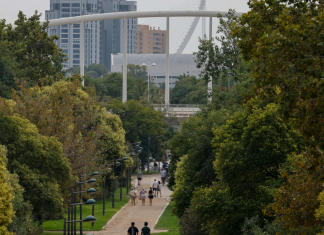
x=178, y=110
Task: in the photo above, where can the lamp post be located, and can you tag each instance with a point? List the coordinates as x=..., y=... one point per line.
x=148, y=78
x=148, y=155
x=104, y=191
x=72, y=206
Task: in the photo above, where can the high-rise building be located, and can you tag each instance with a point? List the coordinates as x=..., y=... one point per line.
x=102, y=38
x=112, y=30
x=150, y=40
x=70, y=34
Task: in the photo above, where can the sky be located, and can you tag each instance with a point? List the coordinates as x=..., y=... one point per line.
x=10, y=9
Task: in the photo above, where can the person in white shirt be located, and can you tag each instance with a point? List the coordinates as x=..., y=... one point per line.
x=155, y=185
x=133, y=196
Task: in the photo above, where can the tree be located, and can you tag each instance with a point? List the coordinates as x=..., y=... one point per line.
x=137, y=71
x=38, y=57
x=140, y=123
x=250, y=151
x=6, y=197
x=8, y=70
x=66, y=112
x=38, y=161
x=221, y=61
x=284, y=41
x=189, y=90
x=100, y=69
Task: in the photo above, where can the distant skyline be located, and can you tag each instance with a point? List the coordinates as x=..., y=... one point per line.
x=9, y=11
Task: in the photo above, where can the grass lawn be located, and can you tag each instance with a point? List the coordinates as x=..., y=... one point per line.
x=57, y=225
x=168, y=222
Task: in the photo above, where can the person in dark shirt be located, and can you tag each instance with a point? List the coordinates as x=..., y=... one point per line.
x=146, y=230
x=132, y=230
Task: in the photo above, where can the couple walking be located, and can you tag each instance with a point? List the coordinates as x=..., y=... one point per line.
x=134, y=231
x=141, y=196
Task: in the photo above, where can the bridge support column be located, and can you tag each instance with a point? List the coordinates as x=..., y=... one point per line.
x=125, y=62
x=210, y=83
x=167, y=72
x=82, y=51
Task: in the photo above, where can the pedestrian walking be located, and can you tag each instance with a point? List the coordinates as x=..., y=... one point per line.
x=133, y=196
x=155, y=165
x=159, y=189
x=155, y=185
x=139, y=177
x=143, y=196
x=150, y=195
x=146, y=230
x=132, y=230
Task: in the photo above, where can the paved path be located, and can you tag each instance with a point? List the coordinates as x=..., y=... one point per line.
x=139, y=214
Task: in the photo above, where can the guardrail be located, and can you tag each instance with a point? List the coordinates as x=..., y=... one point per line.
x=178, y=105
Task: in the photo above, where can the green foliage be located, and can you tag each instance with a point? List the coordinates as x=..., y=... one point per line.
x=140, y=123
x=38, y=57
x=8, y=70
x=93, y=70
x=189, y=90
x=6, y=196
x=69, y=114
x=189, y=225
x=38, y=161
x=168, y=221
x=254, y=226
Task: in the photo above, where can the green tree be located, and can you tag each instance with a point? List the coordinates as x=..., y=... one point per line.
x=189, y=90
x=8, y=70
x=6, y=196
x=38, y=161
x=250, y=151
x=140, y=123
x=39, y=58
x=137, y=71
x=66, y=112
x=100, y=69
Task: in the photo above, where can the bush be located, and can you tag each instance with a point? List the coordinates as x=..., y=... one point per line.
x=189, y=225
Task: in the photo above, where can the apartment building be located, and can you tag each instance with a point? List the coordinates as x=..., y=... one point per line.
x=102, y=38
x=150, y=40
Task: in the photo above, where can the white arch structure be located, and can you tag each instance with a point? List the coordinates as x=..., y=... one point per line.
x=138, y=14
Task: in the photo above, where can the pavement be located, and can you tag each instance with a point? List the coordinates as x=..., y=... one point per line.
x=139, y=214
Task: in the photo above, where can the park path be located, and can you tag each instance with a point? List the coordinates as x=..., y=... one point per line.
x=139, y=214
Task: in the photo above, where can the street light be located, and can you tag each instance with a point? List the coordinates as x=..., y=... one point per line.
x=148, y=155
x=72, y=206
x=148, y=80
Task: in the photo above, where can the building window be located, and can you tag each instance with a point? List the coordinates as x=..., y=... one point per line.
x=155, y=48
x=76, y=51
x=76, y=30
x=76, y=56
x=64, y=31
x=64, y=26
x=76, y=40
x=65, y=10
x=162, y=34
x=65, y=15
x=155, y=39
x=76, y=61
x=75, y=9
x=75, y=15
x=65, y=4
x=64, y=41
x=65, y=51
x=75, y=4
x=155, y=34
x=154, y=52
x=76, y=25
x=76, y=35
x=64, y=36
x=76, y=45
x=64, y=46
